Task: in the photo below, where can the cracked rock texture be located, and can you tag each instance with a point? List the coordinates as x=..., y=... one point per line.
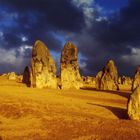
x=43, y=67
x=69, y=68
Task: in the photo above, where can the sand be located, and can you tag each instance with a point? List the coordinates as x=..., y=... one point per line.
x=47, y=114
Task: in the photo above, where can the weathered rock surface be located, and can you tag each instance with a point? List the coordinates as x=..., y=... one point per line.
x=69, y=69
x=43, y=68
x=88, y=82
x=98, y=80
x=108, y=78
x=125, y=83
x=20, y=78
x=136, y=80
x=4, y=75
x=134, y=105
x=12, y=76
x=26, y=77
x=125, y=80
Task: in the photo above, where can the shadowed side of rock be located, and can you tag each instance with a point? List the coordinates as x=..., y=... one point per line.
x=69, y=68
x=136, y=80
x=43, y=68
x=26, y=77
x=98, y=80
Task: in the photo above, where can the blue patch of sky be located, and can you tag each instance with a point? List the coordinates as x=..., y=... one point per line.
x=110, y=6
x=56, y=56
x=7, y=18
x=59, y=37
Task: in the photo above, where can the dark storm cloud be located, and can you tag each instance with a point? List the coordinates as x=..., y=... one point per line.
x=25, y=21
x=112, y=38
x=34, y=19
x=60, y=14
x=124, y=28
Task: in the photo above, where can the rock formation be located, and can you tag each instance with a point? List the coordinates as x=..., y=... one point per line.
x=125, y=80
x=12, y=76
x=43, y=68
x=20, y=78
x=4, y=75
x=69, y=69
x=134, y=105
x=136, y=80
x=108, y=78
x=26, y=77
x=98, y=80
x=119, y=80
x=125, y=83
x=88, y=82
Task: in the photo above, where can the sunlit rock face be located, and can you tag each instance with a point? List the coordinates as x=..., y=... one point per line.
x=69, y=68
x=43, y=67
x=12, y=76
x=136, y=80
x=88, y=80
x=108, y=78
x=125, y=82
x=134, y=105
x=20, y=78
x=26, y=77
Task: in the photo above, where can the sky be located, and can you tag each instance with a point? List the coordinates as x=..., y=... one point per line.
x=101, y=29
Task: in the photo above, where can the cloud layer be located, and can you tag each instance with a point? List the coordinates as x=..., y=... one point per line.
x=99, y=36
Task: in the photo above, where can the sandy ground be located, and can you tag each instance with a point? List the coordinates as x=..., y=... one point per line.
x=46, y=114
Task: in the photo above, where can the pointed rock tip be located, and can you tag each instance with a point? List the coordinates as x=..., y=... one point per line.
x=39, y=42
x=70, y=44
x=111, y=61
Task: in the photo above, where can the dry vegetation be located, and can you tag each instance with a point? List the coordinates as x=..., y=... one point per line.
x=46, y=114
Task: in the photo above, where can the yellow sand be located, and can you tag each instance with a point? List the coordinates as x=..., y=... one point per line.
x=47, y=114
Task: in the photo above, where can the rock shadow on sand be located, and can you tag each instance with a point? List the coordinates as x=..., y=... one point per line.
x=120, y=93
x=119, y=112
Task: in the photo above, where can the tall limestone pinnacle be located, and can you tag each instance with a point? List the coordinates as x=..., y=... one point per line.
x=69, y=68
x=136, y=80
x=133, y=106
x=108, y=79
x=43, y=67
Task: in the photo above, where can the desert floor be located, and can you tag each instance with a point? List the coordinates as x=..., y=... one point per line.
x=47, y=114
